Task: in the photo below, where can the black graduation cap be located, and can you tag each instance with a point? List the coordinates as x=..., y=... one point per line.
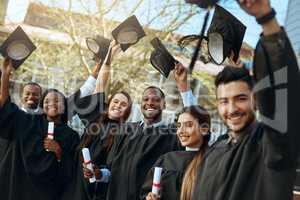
x=202, y=3
x=128, y=32
x=225, y=34
x=161, y=59
x=99, y=46
x=17, y=47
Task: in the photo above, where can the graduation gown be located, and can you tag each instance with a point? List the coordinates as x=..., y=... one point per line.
x=5, y=143
x=262, y=164
x=174, y=165
x=80, y=188
x=134, y=152
x=3, y=147
x=28, y=171
x=297, y=182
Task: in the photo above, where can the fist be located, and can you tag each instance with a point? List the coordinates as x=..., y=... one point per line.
x=152, y=196
x=256, y=8
x=52, y=146
x=7, y=67
x=180, y=76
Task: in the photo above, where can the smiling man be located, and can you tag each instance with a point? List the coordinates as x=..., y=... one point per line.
x=152, y=105
x=139, y=145
x=31, y=95
x=256, y=160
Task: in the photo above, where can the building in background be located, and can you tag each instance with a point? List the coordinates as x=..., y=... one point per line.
x=3, y=10
x=292, y=25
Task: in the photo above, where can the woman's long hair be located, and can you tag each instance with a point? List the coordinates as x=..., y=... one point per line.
x=64, y=116
x=102, y=120
x=190, y=175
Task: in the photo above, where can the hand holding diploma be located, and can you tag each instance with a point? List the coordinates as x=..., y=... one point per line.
x=89, y=173
x=52, y=146
x=152, y=196
x=156, y=183
x=88, y=169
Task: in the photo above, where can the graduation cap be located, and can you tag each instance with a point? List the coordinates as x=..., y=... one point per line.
x=99, y=46
x=161, y=59
x=225, y=34
x=17, y=47
x=203, y=3
x=128, y=32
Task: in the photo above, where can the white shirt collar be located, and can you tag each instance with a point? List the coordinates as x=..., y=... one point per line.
x=157, y=124
x=37, y=110
x=191, y=149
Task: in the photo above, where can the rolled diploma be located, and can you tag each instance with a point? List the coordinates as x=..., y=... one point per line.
x=88, y=162
x=50, y=131
x=156, y=180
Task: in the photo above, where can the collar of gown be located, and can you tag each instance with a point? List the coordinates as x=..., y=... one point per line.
x=37, y=110
x=157, y=124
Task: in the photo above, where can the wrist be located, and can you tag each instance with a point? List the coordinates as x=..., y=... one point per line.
x=271, y=27
x=263, y=12
x=5, y=73
x=98, y=174
x=266, y=17
x=58, y=154
x=183, y=87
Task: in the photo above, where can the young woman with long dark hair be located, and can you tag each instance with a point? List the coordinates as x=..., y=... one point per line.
x=101, y=125
x=180, y=167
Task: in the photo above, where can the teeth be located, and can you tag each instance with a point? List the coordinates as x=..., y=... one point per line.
x=150, y=109
x=235, y=117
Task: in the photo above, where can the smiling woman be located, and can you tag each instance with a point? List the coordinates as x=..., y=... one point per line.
x=54, y=104
x=180, y=167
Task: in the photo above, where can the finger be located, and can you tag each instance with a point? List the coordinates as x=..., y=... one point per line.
x=153, y=196
x=10, y=62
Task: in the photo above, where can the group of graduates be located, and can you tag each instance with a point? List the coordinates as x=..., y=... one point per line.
x=255, y=160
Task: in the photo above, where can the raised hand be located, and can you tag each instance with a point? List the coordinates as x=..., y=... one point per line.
x=7, y=67
x=180, y=76
x=115, y=47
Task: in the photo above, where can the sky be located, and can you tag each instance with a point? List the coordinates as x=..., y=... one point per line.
x=17, y=10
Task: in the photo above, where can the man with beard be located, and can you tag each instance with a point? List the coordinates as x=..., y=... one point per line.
x=138, y=145
x=31, y=95
x=256, y=160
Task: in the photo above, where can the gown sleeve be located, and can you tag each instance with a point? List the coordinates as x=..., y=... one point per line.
x=88, y=108
x=67, y=164
x=277, y=86
x=147, y=186
x=13, y=121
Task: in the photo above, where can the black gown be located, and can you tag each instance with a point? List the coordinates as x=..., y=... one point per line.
x=133, y=154
x=3, y=147
x=261, y=165
x=297, y=182
x=80, y=188
x=174, y=165
x=27, y=170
